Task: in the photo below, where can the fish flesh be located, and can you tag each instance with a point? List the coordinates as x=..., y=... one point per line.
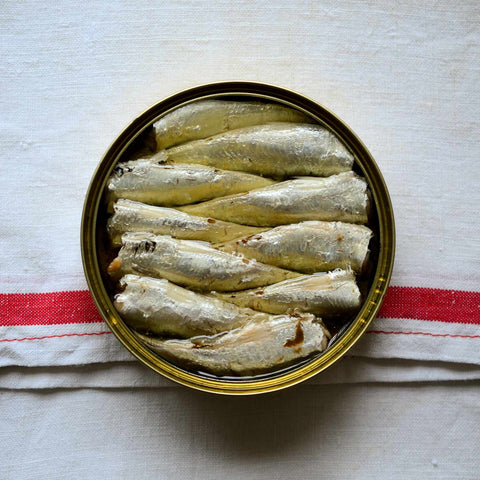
x=324, y=294
x=308, y=247
x=204, y=118
x=343, y=197
x=163, y=308
x=275, y=149
x=192, y=264
x=130, y=216
x=146, y=180
x=257, y=347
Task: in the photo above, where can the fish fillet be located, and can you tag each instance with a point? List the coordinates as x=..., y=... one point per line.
x=192, y=264
x=324, y=294
x=307, y=247
x=209, y=117
x=275, y=149
x=147, y=181
x=341, y=197
x=130, y=216
x=257, y=347
x=163, y=308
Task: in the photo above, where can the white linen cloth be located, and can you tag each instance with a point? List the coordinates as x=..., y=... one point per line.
x=404, y=75
x=344, y=432
x=404, y=78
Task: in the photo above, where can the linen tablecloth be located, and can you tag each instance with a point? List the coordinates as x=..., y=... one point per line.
x=404, y=85
x=403, y=76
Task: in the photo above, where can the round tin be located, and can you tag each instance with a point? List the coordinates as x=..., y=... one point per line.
x=95, y=245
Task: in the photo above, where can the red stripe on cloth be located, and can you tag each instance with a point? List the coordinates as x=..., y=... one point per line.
x=428, y=334
x=28, y=339
x=47, y=337
x=57, y=308
x=431, y=304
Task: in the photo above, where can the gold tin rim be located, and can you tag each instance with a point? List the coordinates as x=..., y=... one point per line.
x=280, y=380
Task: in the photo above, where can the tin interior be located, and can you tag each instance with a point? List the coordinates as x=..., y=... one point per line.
x=137, y=140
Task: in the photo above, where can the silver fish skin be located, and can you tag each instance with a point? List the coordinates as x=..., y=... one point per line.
x=163, y=308
x=342, y=197
x=192, y=264
x=257, y=347
x=308, y=247
x=325, y=294
x=275, y=149
x=204, y=118
x=130, y=216
x=145, y=180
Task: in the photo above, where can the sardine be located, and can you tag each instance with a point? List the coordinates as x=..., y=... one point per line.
x=257, y=347
x=209, y=117
x=325, y=294
x=275, y=149
x=145, y=180
x=342, y=197
x=192, y=264
x=163, y=308
x=132, y=216
x=307, y=246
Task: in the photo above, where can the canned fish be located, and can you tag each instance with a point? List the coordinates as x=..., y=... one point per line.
x=268, y=126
